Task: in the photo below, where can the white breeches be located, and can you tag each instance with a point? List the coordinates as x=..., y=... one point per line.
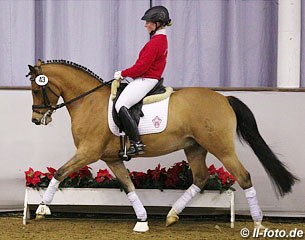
x=135, y=92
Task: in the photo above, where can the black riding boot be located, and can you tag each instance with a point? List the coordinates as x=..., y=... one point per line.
x=131, y=128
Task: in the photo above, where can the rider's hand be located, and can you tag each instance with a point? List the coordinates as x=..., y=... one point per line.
x=118, y=75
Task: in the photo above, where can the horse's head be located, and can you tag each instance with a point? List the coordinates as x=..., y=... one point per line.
x=45, y=95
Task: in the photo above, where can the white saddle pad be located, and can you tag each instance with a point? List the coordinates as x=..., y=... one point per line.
x=154, y=120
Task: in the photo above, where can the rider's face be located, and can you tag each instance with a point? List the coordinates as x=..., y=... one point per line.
x=150, y=26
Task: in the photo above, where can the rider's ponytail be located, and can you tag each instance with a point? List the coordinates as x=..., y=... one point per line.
x=169, y=23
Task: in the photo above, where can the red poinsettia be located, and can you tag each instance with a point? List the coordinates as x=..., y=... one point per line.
x=173, y=174
x=82, y=173
x=73, y=175
x=85, y=172
x=103, y=175
x=172, y=177
x=33, y=177
x=225, y=177
x=138, y=177
x=157, y=172
x=212, y=169
x=51, y=172
x=178, y=176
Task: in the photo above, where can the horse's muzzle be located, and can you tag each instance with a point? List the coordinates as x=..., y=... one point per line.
x=42, y=118
x=36, y=121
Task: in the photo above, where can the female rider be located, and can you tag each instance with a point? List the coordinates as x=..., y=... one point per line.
x=146, y=72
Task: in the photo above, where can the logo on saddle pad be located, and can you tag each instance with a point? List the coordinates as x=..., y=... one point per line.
x=157, y=122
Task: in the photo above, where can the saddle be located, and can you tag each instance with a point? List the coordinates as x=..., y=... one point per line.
x=158, y=93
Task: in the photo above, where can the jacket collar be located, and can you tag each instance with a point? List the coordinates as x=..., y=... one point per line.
x=160, y=31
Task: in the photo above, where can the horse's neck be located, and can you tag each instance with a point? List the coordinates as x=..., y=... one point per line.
x=71, y=82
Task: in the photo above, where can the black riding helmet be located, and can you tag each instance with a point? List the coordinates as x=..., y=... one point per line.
x=157, y=14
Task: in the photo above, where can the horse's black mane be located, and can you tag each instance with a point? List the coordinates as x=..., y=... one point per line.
x=73, y=64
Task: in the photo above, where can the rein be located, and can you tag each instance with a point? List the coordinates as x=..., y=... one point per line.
x=82, y=95
x=46, y=102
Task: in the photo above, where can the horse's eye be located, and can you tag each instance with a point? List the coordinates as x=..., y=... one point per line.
x=36, y=91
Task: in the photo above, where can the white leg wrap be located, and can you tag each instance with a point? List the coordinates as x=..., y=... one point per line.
x=255, y=210
x=180, y=204
x=137, y=206
x=49, y=194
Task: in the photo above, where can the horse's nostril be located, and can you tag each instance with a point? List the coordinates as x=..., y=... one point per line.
x=34, y=120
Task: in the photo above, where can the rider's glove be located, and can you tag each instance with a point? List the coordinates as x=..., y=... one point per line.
x=118, y=75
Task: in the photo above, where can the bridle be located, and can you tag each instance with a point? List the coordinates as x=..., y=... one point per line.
x=46, y=102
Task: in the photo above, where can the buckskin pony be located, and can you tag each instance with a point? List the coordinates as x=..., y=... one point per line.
x=199, y=121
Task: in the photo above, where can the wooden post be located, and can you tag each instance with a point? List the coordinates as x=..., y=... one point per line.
x=289, y=44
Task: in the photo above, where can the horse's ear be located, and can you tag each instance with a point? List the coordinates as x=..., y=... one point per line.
x=32, y=69
x=39, y=62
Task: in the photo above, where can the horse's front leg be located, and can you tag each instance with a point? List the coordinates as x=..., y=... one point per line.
x=120, y=171
x=79, y=160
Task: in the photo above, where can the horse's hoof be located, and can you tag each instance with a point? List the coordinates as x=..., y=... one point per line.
x=42, y=210
x=40, y=217
x=141, y=227
x=170, y=220
x=258, y=225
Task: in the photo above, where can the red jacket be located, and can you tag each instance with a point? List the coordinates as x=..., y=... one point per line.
x=151, y=61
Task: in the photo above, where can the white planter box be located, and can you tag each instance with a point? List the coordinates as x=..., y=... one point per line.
x=115, y=197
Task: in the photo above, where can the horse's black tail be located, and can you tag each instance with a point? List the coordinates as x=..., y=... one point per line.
x=248, y=131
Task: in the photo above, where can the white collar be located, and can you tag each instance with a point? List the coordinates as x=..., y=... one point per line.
x=160, y=31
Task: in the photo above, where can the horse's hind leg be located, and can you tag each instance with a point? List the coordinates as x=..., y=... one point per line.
x=235, y=167
x=196, y=157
